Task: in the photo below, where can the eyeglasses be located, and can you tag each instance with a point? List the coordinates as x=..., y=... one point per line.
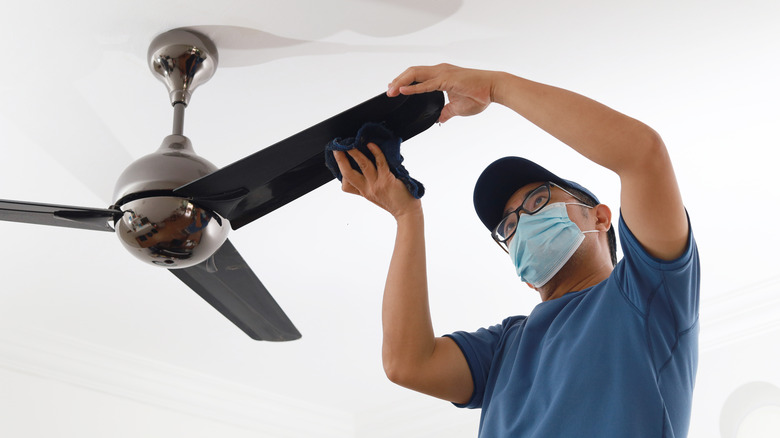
x=533, y=202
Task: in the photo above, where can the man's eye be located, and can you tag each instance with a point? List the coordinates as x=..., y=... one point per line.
x=510, y=228
x=507, y=228
x=538, y=201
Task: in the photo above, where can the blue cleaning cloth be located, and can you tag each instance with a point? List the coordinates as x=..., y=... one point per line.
x=389, y=143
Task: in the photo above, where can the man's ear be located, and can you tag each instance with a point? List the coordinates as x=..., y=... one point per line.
x=603, y=217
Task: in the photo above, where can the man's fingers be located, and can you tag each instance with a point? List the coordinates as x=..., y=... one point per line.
x=379, y=157
x=419, y=88
x=342, y=162
x=365, y=165
x=446, y=113
x=405, y=78
x=422, y=87
x=347, y=172
x=421, y=74
x=349, y=188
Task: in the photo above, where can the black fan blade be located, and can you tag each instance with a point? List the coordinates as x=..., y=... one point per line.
x=227, y=283
x=264, y=181
x=58, y=215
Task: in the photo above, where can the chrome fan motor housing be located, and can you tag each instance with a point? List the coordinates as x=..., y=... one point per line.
x=158, y=227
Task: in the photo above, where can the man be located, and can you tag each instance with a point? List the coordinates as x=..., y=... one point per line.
x=612, y=350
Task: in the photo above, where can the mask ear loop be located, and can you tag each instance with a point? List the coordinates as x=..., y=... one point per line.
x=583, y=205
x=578, y=203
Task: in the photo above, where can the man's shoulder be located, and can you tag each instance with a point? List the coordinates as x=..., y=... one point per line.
x=513, y=320
x=635, y=254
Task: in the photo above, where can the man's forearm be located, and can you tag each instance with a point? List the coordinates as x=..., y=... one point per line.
x=603, y=135
x=408, y=337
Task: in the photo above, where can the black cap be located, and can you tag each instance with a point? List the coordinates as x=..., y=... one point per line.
x=502, y=178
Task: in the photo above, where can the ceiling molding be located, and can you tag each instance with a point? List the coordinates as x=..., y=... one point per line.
x=740, y=314
x=71, y=361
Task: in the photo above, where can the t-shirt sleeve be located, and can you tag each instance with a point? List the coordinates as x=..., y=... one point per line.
x=643, y=277
x=665, y=292
x=479, y=348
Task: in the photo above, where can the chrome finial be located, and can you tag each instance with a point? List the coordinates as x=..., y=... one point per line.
x=182, y=60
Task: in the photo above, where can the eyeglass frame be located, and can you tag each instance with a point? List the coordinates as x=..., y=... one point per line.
x=548, y=184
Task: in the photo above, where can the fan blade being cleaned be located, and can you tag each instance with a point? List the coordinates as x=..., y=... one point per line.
x=227, y=283
x=58, y=215
x=266, y=180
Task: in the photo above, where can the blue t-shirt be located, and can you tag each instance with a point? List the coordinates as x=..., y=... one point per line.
x=615, y=360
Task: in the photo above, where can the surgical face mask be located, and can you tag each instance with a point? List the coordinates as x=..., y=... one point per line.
x=544, y=242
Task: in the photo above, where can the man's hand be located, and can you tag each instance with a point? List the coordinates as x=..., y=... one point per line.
x=469, y=91
x=376, y=183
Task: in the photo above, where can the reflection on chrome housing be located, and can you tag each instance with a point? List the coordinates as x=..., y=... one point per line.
x=158, y=227
x=170, y=232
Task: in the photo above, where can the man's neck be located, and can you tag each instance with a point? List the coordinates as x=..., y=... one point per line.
x=572, y=279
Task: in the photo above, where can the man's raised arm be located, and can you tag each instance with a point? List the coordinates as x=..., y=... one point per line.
x=412, y=356
x=651, y=204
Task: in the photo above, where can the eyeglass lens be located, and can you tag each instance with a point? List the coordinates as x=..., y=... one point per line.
x=532, y=203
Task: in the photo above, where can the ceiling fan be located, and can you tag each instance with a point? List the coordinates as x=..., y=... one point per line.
x=174, y=209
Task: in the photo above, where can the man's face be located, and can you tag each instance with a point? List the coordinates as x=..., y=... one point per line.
x=556, y=195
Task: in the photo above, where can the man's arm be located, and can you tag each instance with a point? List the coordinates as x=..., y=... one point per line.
x=412, y=356
x=650, y=198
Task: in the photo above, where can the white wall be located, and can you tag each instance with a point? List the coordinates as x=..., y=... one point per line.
x=32, y=406
x=54, y=386
x=739, y=345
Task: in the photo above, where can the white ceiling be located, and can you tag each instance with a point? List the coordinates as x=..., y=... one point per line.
x=78, y=104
